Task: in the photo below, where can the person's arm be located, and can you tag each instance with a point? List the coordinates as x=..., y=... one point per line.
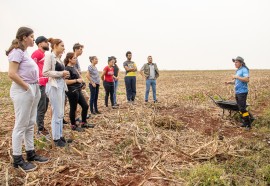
x=88, y=76
x=243, y=79
x=118, y=73
x=230, y=82
x=72, y=81
x=157, y=72
x=102, y=75
x=128, y=69
x=141, y=71
x=135, y=68
x=12, y=74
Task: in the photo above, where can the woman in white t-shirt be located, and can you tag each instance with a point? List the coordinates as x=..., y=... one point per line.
x=25, y=95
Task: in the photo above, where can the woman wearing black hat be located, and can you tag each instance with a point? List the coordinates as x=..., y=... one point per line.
x=240, y=81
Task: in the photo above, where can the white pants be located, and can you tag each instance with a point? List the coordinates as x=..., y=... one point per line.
x=25, y=108
x=57, y=100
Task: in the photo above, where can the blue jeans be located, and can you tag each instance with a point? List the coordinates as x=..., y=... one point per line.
x=152, y=83
x=130, y=82
x=94, y=97
x=115, y=91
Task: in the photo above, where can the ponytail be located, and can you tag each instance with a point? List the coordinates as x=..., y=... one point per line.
x=17, y=43
x=69, y=56
x=14, y=44
x=54, y=42
x=244, y=65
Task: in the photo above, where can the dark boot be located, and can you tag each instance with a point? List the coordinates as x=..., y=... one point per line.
x=246, y=120
x=66, y=141
x=18, y=161
x=32, y=156
x=59, y=143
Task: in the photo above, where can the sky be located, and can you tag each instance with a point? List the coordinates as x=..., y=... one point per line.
x=178, y=34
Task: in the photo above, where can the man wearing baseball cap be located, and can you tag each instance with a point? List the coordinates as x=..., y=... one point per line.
x=38, y=57
x=240, y=81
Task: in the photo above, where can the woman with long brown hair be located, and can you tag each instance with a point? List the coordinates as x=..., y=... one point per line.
x=55, y=89
x=74, y=94
x=25, y=95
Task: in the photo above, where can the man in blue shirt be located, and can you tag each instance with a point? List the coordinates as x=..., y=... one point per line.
x=240, y=80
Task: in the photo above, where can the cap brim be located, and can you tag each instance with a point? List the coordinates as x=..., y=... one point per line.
x=233, y=60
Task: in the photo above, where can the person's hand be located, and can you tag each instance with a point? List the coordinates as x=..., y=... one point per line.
x=80, y=80
x=66, y=74
x=26, y=87
x=94, y=84
x=227, y=82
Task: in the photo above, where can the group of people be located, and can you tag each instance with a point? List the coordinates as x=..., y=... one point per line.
x=39, y=79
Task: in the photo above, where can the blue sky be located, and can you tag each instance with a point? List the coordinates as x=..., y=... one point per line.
x=180, y=35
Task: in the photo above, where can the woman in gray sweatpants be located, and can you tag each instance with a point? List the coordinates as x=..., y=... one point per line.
x=55, y=89
x=25, y=95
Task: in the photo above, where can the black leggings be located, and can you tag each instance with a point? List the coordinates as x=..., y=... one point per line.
x=109, y=90
x=75, y=97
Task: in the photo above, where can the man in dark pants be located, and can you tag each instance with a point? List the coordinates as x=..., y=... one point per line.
x=38, y=57
x=240, y=80
x=130, y=78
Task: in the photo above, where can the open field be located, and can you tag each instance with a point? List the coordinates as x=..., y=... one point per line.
x=182, y=140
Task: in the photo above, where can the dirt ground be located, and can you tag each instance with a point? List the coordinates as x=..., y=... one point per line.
x=141, y=144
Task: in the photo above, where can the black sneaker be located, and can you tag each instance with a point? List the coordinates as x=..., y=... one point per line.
x=86, y=125
x=88, y=116
x=32, y=156
x=114, y=107
x=77, y=128
x=97, y=112
x=93, y=113
x=59, y=143
x=18, y=161
x=66, y=141
x=243, y=125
